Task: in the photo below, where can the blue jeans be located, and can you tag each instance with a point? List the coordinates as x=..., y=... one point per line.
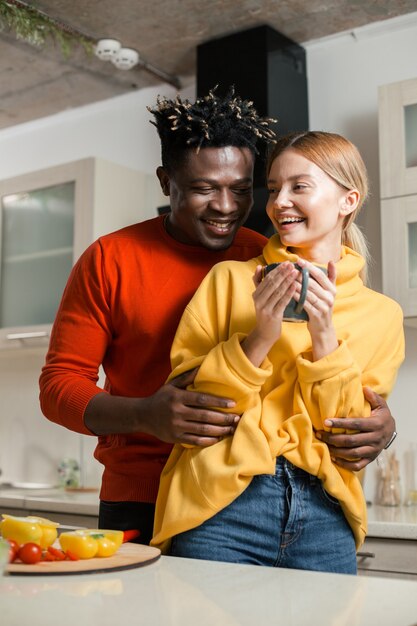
x=285, y=520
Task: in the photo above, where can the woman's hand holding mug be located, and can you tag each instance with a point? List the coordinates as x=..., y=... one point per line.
x=318, y=306
x=271, y=298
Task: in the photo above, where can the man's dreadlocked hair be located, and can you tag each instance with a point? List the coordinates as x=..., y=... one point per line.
x=211, y=122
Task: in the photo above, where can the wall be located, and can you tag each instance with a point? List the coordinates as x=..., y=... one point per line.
x=117, y=130
x=344, y=73
x=31, y=447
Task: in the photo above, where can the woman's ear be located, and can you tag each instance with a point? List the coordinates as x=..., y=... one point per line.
x=163, y=180
x=350, y=202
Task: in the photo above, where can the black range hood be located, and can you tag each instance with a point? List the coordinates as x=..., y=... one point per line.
x=268, y=68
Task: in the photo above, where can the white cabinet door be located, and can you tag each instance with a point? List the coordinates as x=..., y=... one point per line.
x=399, y=251
x=393, y=558
x=398, y=138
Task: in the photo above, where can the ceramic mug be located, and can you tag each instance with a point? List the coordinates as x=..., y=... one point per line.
x=294, y=311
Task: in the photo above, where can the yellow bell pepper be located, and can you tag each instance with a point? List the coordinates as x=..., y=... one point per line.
x=89, y=543
x=29, y=529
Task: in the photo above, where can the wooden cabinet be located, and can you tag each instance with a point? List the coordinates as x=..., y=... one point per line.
x=48, y=218
x=398, y=175
x=388, y=558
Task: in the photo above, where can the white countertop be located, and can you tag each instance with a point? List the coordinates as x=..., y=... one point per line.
x=392, y=522
x=184, y=592
x=387, y=522
x=56, y=500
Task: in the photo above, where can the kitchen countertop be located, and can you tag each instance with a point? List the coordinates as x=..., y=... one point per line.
x=57, y=500
x=183, y=592
x=385, y=522
x=392, y=522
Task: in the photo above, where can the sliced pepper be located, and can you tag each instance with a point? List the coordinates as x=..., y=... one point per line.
x=89, y=543
x=128, y=535
x=58, y=555
x=29, y=529
x=70, y=556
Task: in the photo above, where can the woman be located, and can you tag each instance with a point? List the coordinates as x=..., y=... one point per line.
x=271, y=494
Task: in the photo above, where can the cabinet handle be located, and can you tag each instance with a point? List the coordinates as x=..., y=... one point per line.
x=366, y=555
x=32, y=335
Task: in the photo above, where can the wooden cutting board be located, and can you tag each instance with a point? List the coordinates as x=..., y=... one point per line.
x=128, y=556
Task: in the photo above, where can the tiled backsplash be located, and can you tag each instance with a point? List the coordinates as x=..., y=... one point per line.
x=32, y=447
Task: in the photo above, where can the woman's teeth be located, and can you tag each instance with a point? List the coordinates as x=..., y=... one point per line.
x=289, y=220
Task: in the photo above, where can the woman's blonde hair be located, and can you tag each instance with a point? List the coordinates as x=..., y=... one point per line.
x=340, y=160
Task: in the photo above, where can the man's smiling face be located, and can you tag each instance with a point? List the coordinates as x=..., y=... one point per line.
x=210, y=195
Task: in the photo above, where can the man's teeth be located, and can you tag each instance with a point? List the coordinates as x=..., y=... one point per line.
x=289, y=220
x=220, y=225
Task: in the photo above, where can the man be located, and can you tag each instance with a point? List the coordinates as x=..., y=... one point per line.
x=125, y=297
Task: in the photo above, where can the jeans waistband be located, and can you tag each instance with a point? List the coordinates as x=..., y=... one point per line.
x=284, y=467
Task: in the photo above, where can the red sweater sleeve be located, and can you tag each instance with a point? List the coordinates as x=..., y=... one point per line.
x=80, y=336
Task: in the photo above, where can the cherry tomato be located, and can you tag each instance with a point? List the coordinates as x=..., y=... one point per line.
x=14, y=549
x=30, y=553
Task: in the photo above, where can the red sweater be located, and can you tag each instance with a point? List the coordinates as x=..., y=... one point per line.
x=121, y=308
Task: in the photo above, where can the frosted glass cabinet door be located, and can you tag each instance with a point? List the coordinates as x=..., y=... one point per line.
x=399, y=251
x=48, y=217
x=37, y=238
x=412, y=255
x=410, y=135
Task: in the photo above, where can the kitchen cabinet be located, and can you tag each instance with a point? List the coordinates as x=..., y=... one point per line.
x=397, y=104
x=398, y=186
x=48, y=217
x=388, y=558
x=399, y=253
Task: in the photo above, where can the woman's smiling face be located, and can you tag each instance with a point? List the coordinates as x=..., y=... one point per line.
x=307, y=207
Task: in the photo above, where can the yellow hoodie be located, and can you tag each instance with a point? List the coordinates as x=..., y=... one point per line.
x=285, y=400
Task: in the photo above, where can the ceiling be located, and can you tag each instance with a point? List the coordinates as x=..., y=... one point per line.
x=38, y=82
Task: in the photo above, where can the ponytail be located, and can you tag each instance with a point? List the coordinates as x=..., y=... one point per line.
x=353, y=237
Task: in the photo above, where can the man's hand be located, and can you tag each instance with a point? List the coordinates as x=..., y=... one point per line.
x=355, y=451
x=180, y=416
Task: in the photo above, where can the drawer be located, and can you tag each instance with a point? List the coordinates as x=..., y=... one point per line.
x=388, y=555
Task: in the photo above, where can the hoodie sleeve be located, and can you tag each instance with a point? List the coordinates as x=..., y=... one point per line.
x=333, y=386
x=202, y=340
